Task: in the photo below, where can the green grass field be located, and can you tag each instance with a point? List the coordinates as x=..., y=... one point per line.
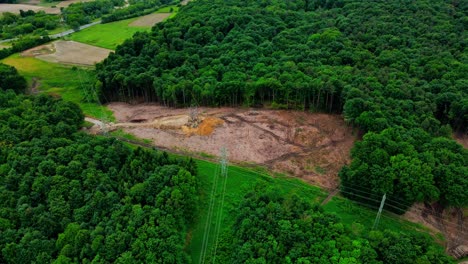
x=108, y=35
x=65, y=81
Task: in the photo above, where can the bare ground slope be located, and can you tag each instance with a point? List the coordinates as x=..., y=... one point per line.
x=310, y=146
x=68, y=52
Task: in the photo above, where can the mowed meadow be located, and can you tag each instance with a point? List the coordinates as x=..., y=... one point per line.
x=110, y=35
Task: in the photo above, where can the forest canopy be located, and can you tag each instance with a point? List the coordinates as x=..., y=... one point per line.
x=11, y=79
x=72, y=198
x=270, y=228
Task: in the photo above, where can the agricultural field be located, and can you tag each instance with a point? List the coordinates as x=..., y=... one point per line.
x=55, y=79
x=15, y=8
x=150, y=20
x=49, y=8
x=108, y=35
x=68, y=52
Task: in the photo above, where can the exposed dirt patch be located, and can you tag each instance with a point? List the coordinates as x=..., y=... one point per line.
x=68, y=52
x=462, y=139
x=206, y=127
x=56, y=9
x=313, y=147
x=149, y=20
x=39, y=50
x=15, y=8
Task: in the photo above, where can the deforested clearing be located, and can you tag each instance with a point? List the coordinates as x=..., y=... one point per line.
x=310, y=146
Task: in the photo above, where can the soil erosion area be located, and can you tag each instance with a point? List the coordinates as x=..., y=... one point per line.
x=311, y=146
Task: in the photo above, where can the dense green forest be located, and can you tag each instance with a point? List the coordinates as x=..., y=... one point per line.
x=395, y=69
x=273, y=229
x=81, y=13
x=9, y=78
x=69, y=197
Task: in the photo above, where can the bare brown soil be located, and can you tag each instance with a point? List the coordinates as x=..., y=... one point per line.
x=462, y=139
x=56, y=9
x=39, y=50
x=313, y=147
x=149, y=20
x=15, y=8
x=68, y=52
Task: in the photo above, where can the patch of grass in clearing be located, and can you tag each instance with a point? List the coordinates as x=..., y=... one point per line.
x=56, y=79
x=206, y=155
x=122, y=134
x=319, y=170
x=57, y=30
x=108, y=35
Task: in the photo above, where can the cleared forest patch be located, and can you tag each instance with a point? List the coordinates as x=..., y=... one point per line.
x=149, y=20
x=68, y=52
x=310, y=146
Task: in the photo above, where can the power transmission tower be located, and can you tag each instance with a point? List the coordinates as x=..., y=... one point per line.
x=377, y=219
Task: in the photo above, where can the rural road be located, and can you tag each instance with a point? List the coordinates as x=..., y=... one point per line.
x=70, y=31
x=61, y=34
